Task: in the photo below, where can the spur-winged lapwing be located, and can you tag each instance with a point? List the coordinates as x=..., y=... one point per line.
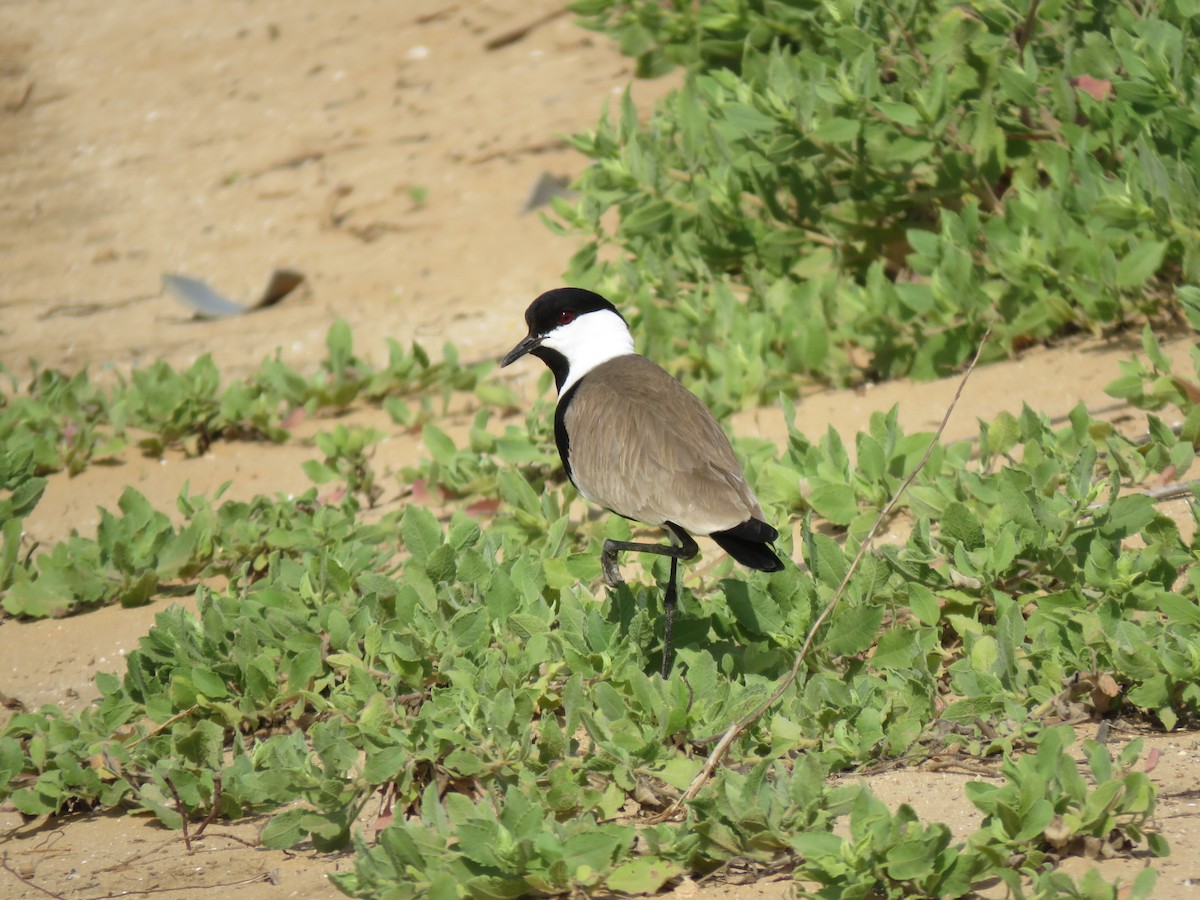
x=637, y=442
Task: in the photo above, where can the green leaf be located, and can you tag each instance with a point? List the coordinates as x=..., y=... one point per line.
x=463, y=763
x=209, y=683
x=1003, y=432
x=853, y=630
x=1158, y=847
x=25, y=497
x=494, y=393
x=645, y=875
x=1178, y=609
x=318, y=472
x=969, y=709
x=31, y=802
x=817, y=845
x=911, y=859
x=441, y=564
x=1189, y=298
x=12, y=759
x=1140, y=263
x=34, y=599
x=754, y=610
x=440, y=445
x=420, y=531
x=1129, y=515
x=836, y=502
x=679, y=772
x=286, y=829
x=924, y=604
x=469, y=627
x=960, y=525
x=338, y=340
x=902, y=113
x=826, y=559
x=896, y=649
x=837, y=130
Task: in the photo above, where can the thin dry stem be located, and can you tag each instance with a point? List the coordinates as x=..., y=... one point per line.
x=735, y=731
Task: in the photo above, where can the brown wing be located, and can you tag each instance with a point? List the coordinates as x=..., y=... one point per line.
x=645, y=447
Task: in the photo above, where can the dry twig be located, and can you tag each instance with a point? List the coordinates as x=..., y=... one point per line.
x=179, y=807
x=28, y=882
x=509, y=152
x=735, y=731
x=515, y=34
x=182, y=714
x=216, y=805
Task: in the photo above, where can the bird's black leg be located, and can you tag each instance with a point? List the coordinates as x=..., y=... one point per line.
x=669, y=621
x=686, y=550
x=608, y=556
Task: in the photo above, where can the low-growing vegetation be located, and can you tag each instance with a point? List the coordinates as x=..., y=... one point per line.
x=858, y=190
x=60, y=422
x=468, y=677
x=837, y=192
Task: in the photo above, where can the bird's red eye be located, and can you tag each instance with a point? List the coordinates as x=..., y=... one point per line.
x=566, y=317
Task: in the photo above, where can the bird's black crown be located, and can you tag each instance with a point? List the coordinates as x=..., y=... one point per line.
x=544, y=312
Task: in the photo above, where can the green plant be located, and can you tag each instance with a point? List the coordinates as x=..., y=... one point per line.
x=346, y=461
x=133, y=557
x=463, y=669
x=1152, y=384
x=1045, y=808
x=861, y=193
x=58, y=422
x=510, y=847
x=477, y=468
x=887, y=855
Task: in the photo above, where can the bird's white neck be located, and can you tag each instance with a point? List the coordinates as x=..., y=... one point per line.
x=587, y=342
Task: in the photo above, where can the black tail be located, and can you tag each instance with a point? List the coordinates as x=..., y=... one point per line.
x=750, y=544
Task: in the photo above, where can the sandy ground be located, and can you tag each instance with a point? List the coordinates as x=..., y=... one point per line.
x=386, y=150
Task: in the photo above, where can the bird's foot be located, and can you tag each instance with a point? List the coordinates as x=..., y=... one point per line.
x=612, y=571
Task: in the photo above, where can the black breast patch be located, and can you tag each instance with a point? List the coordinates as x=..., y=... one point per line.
x=561, y=438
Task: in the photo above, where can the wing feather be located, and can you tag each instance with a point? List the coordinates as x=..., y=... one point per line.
x=645, y=447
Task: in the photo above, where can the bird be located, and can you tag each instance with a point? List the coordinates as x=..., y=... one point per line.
x=635, y=441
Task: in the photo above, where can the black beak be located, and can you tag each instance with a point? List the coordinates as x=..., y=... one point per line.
x=530, y=343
